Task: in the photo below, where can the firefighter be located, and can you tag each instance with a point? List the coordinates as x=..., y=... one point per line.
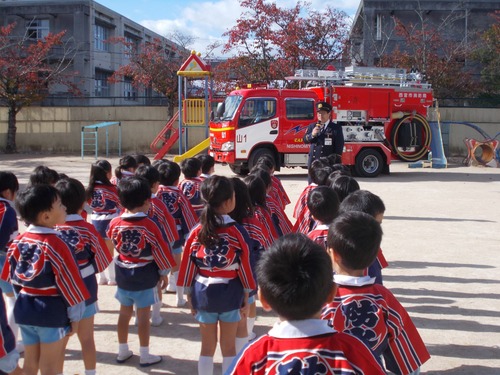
x=325, y=137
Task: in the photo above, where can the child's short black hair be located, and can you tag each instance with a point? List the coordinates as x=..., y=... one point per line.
x=8, y=181
x=319, y=172
x=191, y=167
x=169, y=172
x=207, y=162
x=127, y=162
x=142, y=159
x=343, y=186
x=323, y=204
x=149, y=173
x=356, y=237
x=43, y=175
x=363, y=201
x=295, y=277
x=72, y=193
x=133, y=192
x=34, y=200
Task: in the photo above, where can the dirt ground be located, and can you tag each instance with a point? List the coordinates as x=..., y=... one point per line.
x=441, y=238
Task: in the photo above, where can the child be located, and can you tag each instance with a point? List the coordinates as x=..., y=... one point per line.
x=280, y=220
x=371, y=204
x=257, y=191
x=323, y=205
x=126, y=168
x=216, y=271
x=190, y=185
x=92, y=255
x=9, y=356
x=50, y=292
x=182, y=212
x=295, y=280
x=261, y=239
x=143, y=259
x=43, y=175
x=343, y=185
x=9, y=186
x=278, y=191
x=158, y=211
x=207, y=165
x=141, y=160
x=364, y=309
x=102, y=198
x=318, y=175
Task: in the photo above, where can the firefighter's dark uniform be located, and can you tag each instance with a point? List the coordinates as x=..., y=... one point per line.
x=329, y=141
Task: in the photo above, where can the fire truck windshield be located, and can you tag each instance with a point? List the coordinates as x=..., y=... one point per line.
x=227, y=109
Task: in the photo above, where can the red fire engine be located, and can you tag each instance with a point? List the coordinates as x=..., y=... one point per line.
x=382, y=112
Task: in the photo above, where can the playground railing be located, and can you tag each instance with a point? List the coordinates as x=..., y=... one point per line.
x=90, y=137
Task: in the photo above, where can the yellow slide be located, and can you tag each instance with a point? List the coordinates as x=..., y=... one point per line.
x=203, y=145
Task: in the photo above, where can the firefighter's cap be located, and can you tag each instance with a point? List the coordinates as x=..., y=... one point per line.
x=324, y=106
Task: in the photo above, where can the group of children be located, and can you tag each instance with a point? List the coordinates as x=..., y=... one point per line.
x=219, y=243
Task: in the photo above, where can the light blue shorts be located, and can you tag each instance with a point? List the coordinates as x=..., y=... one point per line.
x=251, y=299
x=90, y=310
x=9, y=362
x=140, y=298
x=212, y=318
x=45, y=335
x=177, y=250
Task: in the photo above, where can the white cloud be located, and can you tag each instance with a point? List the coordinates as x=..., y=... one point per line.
x=208, y=20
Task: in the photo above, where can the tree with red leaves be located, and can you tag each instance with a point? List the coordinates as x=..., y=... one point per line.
x=152, y=64
x=28, y=69
x=270, y=43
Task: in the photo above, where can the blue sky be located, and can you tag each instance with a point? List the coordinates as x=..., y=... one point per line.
x=205, y=20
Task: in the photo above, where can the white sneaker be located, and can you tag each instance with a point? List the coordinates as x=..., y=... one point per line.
x=182, y=303
x=171, y=287
x=252, y=336
x=103, y=281
x=122, y=358
x=149, y=360
x=156, y=321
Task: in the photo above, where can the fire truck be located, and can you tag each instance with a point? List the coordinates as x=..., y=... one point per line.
x=383, y=113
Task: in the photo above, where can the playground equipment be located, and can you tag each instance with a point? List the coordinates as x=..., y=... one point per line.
x=90, y=137
x=193, y=112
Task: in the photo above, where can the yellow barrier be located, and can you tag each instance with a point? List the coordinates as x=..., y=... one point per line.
x=194, y=112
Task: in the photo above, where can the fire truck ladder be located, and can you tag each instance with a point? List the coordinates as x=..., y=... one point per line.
x=362, y=76
x=166, y=137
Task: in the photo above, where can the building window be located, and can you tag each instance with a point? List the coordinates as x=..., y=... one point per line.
x=37, y=29
x=131, y=45
x=129, y=91
x=378, y=27
x=102, y=84
x=101, y=34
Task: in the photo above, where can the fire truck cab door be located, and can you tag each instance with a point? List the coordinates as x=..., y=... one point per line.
x=258, y=123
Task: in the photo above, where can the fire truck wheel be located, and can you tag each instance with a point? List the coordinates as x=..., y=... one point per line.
x=369, y=163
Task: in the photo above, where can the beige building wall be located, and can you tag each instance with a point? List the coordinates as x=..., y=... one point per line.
x=58, y=129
